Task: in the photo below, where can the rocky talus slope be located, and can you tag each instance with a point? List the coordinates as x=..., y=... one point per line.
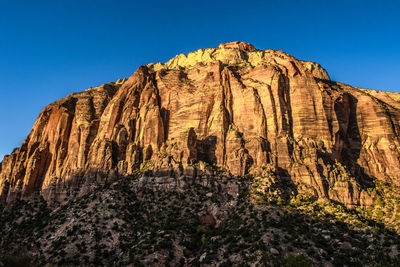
x=149, y=221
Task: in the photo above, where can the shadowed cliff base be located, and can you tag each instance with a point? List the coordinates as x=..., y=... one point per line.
x=141, y=220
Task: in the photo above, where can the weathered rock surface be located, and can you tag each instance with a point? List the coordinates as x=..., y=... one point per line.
x=245, y=110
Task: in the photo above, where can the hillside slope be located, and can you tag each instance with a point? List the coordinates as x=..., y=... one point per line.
x=147, y=221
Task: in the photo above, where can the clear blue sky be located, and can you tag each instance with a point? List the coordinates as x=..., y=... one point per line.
x=52, y=48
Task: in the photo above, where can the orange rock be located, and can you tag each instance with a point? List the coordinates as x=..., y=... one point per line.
x=233, y=106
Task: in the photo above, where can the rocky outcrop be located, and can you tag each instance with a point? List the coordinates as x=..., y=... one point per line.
x=58, y=146
x=236, y=108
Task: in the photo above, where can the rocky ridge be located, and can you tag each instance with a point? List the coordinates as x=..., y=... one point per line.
x=234, y=110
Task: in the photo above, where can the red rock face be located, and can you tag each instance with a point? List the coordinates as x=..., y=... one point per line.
x=251, y=111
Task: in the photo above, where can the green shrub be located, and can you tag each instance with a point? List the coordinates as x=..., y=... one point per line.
x=296, y=261
x=16, y=261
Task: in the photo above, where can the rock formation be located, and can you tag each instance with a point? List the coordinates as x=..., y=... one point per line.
x=242, y=110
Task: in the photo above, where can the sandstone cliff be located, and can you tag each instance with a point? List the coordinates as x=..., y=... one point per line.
x=243, y=110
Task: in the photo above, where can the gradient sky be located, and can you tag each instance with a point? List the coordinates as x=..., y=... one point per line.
x=52, y=48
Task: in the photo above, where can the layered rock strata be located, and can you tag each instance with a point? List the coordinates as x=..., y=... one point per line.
x=236, y=108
